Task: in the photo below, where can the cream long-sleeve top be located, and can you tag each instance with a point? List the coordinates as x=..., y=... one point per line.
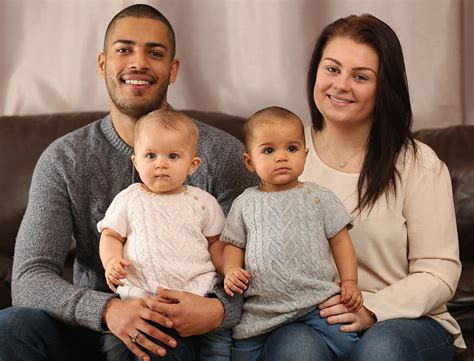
x=407, y=246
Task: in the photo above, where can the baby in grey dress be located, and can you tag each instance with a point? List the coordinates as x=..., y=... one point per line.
x=283, y=232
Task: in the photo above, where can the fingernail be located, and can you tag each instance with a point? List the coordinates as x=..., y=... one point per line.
x=172, y=343
x=169, y=324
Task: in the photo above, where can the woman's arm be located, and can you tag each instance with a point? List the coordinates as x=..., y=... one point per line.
x=432, y=245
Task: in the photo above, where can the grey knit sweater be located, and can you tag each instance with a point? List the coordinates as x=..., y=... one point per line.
x=285, y=236
x=74, y=182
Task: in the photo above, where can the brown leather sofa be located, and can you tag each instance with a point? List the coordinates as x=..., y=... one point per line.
x=23, y=138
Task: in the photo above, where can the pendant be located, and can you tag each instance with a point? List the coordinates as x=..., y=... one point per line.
x=341, y=164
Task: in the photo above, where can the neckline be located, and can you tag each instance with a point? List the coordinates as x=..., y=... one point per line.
x=143, y=189
x=312, y=151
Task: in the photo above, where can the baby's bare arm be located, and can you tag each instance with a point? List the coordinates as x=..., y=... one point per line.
x=236, y=278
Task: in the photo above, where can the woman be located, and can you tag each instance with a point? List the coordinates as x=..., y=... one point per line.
x=399, y=193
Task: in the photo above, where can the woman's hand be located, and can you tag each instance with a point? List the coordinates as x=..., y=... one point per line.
x=337, y=312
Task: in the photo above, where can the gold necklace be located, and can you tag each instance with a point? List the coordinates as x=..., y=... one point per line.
x=341, y=164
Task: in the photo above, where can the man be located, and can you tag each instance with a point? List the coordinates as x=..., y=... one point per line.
x=74, y=182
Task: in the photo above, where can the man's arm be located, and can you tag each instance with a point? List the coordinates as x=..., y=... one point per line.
x=41, y=248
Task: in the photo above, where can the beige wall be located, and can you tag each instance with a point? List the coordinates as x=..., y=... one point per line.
x=237, y=55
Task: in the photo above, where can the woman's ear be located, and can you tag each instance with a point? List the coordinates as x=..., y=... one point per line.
x=248, y=162
x=195, y=162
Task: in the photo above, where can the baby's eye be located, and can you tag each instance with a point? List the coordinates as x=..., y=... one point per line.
x=292, y=148
x=268, y=150
x=151, y=156
x=173, y=156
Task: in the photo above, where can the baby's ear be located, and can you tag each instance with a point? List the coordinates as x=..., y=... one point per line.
x=195, y=162
x=248, y=162
x=134, y=160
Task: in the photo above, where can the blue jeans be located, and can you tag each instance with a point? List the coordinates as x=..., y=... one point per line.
x=212, y=346
x=30, y=334
x=421, y=339
x=187, y=349
x=215, y=346
x=339, y=343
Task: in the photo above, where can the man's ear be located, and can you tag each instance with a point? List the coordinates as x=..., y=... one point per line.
x=194, y=165
x=174, y=70
x=248, y=162
x=101, y=64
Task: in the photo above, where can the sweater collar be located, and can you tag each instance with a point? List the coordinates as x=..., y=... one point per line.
x=112, y=136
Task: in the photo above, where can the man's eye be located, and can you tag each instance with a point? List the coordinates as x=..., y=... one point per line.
x=292, y=148
x=173, y=156
x=123, y=50
x=268, y=150
x=151, y=156
x=156, y=54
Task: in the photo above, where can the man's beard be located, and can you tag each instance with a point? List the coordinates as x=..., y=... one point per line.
x=130, y=106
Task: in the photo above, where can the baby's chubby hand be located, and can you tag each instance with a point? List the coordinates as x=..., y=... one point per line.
x=351, y=296
x=115, y=271
x=236, y=280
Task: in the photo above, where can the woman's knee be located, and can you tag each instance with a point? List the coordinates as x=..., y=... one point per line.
x=403, y=340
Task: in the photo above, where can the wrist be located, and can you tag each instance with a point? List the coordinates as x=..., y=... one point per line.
x=349, y=281
x=370, y=317
x=107, y=309
x=108, y=261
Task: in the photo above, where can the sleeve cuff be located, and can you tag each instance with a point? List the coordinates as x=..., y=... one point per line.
x=232, y=307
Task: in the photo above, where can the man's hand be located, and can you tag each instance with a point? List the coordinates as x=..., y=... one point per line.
x=132, y=317
x=236, y=280
x=191, y=314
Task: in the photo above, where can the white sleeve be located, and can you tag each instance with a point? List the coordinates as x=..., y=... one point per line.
x=116, y=217
x=433, y=250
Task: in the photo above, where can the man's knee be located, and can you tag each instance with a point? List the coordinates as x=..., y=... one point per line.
x=16, y=321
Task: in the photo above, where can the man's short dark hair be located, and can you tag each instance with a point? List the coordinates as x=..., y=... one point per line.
x=142, y=11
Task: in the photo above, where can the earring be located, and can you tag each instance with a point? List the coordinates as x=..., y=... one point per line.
x=170, y=83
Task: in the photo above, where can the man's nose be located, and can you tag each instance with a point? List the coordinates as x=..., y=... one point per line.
x=138, y=61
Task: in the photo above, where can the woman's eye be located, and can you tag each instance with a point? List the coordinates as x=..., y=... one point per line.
x=361, y=77
x=151, y=156
x=331, y=69
x=173, y=156
x=268, y=150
